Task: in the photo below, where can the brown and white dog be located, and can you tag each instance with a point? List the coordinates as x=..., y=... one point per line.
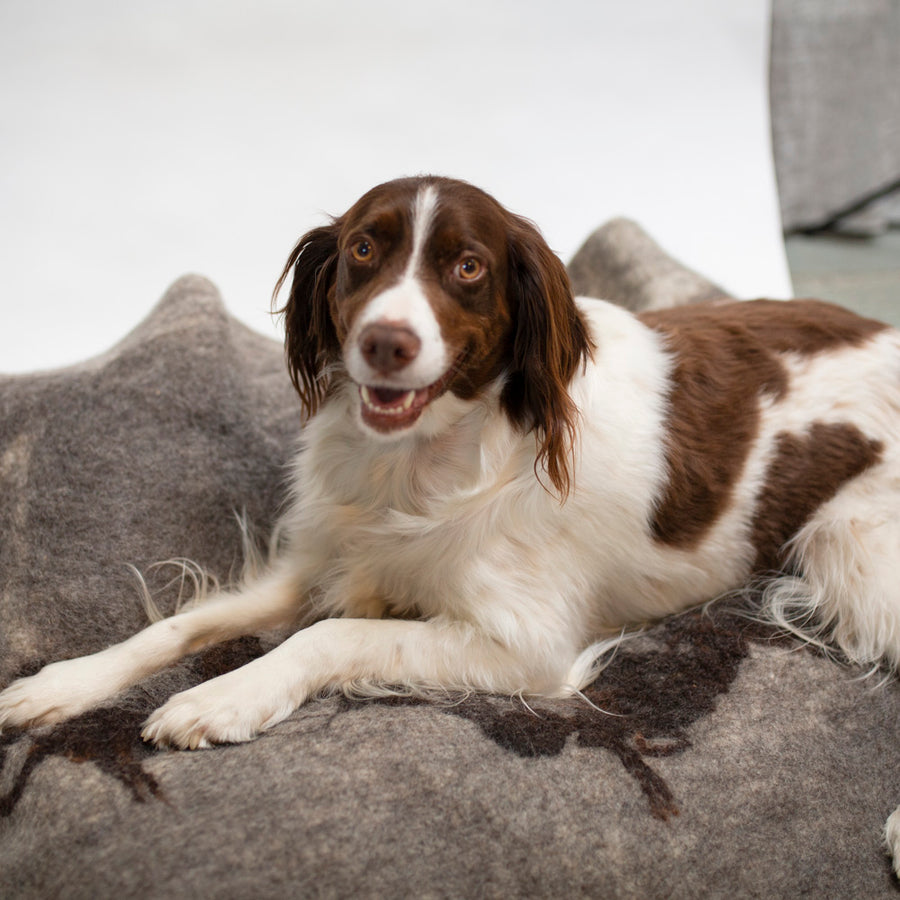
x=496, y=477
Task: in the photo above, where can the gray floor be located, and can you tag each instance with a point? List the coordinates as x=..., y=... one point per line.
x=861, y=273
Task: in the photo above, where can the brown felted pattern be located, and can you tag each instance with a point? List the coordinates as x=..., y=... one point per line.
x=110, y=736
x=642, y=705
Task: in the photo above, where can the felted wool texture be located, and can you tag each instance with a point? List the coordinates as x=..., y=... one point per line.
x=620, y=262
x=726, y=764
x=779, y=791
x=141, y=455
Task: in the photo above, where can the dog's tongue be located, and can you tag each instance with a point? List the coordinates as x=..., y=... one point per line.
x=388, y=397
x=388, y=409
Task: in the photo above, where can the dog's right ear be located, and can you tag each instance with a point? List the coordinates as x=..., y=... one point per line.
x=311, y=341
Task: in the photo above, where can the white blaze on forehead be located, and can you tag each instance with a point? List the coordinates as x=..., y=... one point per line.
x=424, y=208
x=406, y=303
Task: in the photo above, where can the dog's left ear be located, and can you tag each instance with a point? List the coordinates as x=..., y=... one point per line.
x=311, y=340
x=550, y=343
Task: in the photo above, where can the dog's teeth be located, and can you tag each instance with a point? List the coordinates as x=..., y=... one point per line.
x=367, y=398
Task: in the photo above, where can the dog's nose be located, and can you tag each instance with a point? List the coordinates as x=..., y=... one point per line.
x=388, y=348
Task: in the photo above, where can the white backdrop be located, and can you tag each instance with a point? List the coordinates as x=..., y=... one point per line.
x=140, y=141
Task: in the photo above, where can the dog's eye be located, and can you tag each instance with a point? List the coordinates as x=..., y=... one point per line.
x=362, y=251
x=469, y=269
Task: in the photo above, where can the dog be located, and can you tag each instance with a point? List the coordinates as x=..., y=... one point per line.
x=497, y=478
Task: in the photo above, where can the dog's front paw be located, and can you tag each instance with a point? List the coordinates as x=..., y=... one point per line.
x=226, y=710
x=59, y=691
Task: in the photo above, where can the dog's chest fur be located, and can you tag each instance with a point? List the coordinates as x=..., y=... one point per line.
x=412, y=527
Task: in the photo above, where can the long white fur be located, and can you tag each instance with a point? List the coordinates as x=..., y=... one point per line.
x=509, y=589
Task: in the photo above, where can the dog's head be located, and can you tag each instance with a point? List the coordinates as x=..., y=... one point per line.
x=428, y=287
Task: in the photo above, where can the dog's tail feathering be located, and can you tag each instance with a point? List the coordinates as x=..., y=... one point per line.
x=847, y=595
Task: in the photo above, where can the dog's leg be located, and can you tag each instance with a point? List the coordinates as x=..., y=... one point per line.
x=64, y=689
x=849, y=594
x=337, y=654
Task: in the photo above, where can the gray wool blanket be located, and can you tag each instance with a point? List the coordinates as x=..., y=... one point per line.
x=725, y=762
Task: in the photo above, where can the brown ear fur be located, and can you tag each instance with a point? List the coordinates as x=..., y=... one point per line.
x=550, y=342
x=311, y=341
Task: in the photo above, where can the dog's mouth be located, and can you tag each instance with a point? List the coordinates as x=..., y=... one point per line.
x=390, y=409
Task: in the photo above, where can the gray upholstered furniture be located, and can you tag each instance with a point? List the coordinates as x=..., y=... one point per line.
x=835, y=101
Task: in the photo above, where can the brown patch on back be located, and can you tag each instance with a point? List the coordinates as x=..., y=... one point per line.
x=726, y=357
x=807, y=471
